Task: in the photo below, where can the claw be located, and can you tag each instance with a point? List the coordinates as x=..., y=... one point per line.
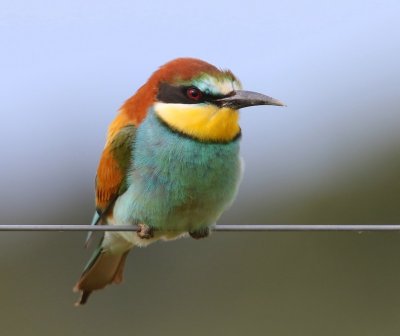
x=201, y=233
x=144, y=231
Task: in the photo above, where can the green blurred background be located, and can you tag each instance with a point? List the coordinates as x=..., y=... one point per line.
x=331, y=157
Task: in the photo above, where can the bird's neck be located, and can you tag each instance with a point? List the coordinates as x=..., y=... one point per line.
x=202, y=122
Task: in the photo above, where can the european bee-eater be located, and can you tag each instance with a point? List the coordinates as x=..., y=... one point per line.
x=170, y=165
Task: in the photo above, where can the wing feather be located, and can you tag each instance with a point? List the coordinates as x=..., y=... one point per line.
x=113, y=167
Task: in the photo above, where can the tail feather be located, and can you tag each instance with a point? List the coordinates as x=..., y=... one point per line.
x=119, y=274
x=103, y=269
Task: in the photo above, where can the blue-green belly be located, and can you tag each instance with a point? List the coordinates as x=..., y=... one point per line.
x=175, y=182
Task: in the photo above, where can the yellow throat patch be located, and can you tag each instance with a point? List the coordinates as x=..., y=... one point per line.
x=203, y=122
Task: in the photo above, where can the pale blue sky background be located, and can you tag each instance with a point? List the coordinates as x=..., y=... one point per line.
x=68, y=65
x=331, y=156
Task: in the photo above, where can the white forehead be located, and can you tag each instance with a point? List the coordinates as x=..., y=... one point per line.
x=216, y=85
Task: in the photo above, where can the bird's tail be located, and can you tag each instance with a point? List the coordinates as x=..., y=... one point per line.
x=104, y=268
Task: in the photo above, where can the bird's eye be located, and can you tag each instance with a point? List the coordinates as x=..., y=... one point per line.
x=194, y=93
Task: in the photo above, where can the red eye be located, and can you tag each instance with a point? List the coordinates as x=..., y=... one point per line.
x=194, y=93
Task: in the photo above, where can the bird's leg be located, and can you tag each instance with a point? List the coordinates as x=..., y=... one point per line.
x=201, y=233
x=144, y=231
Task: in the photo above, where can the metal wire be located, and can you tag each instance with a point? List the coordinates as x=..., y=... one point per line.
x=243, y=227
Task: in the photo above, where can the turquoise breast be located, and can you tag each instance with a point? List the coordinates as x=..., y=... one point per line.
x=176, y=182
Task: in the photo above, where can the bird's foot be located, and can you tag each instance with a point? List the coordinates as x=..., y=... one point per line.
x=199, y=234
x=144, y=231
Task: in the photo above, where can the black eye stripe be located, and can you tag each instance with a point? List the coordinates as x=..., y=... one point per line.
x=168, y=93
x=173, y=94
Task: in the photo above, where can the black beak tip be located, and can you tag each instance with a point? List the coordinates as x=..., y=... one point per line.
x=276, y=102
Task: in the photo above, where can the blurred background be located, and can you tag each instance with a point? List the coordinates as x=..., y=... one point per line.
x=331, y=157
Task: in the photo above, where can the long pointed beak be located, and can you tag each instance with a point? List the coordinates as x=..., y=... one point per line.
x=241, y=98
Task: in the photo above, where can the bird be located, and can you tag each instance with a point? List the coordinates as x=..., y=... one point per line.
x=170, y=165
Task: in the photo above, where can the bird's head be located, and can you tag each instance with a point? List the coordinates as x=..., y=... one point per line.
x=197, y=99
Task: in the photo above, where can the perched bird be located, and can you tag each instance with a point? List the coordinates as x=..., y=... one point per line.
x=170, y=164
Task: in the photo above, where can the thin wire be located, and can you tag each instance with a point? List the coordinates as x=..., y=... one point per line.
x=242, y=227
